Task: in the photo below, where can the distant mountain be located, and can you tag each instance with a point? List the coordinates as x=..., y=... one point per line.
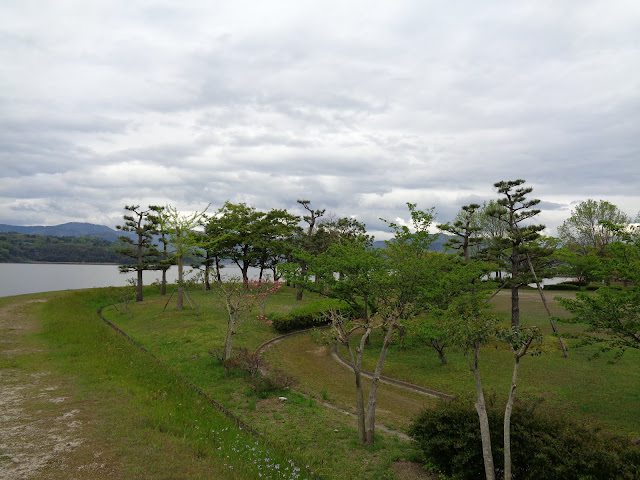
x=71, y=229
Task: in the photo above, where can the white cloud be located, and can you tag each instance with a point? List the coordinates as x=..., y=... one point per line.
x=358, y=106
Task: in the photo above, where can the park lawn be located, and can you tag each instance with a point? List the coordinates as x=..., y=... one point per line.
x=594, y=391
x=158, y=426
x=323, y=438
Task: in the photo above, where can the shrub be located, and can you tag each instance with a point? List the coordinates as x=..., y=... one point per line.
x=308, y=316
x=543, y=447
x=592, y=287
x=562, y=286
x=264, y=383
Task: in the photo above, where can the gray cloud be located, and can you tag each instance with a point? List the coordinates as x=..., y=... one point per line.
x=357, y=108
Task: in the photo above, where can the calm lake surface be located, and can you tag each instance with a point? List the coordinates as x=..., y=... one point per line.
x=21, y=278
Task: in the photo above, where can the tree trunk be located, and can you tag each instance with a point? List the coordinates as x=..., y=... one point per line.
x=218, y=276
x=207, y=270
x=507, y=421
x=245, y=273
x=303, y=270
x=481, y=408
x=139, y=286
x=370, y=422
x=515, y=307
x=180, y=299
x=163, y=286
x=356, y=364
x=441, y=356
x=546, y=307
x=229, y=338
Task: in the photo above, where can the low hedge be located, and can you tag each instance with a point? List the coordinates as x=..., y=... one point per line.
x=543, y=446
x=309, y=315
x=562, y=286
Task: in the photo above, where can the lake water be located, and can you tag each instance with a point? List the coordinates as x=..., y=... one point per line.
x=22, y=278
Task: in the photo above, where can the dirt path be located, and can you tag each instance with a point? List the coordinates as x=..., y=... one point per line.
x=45, y=429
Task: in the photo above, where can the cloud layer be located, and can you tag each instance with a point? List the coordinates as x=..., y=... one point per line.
x=357, y=106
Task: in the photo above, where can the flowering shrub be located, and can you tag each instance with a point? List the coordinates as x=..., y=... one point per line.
x=264, y=319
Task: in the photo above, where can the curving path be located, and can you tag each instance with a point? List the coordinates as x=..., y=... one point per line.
x=336, y=356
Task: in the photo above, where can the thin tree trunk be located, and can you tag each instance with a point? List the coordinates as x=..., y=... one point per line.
x=229, y=339
x=218, y=276
x=481, y=408
x=303, y=270
x=546, y=307
x=515, y=307
x=207, y=269
x=356, y=364
x=441, y=356
x=139, y=286
x=180, y=299
x=507, y=420
x=163, y=286
x=370, y=421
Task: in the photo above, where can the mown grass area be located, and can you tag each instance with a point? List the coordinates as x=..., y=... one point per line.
x=325, y=439
x=594, y=391
x=156, y=426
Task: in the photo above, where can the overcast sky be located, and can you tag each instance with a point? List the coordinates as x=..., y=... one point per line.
x=358, y=106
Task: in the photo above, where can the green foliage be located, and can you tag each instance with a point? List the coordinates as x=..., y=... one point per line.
x=249, y=237
x=584, y=232
x=308, y=316
x=543, y=447
x=585, y=267
x=612, y=313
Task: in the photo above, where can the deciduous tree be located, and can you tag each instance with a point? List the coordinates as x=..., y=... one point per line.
x=612, y=314
x=584, y=231
x=180, y=229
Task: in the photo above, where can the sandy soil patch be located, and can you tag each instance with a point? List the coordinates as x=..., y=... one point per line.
x=43, y=430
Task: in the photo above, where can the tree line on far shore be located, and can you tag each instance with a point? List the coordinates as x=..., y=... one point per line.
x=29, y=248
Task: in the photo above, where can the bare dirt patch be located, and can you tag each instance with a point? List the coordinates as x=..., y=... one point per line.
x=44, y=428
x=406, y=470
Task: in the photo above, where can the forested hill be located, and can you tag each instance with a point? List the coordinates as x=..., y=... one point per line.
x=80, y=242
x=26, y=248
x=71, y=229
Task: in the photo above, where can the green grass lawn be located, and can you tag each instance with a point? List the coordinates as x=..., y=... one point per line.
x=594, y=391
x=159, y=426
x=323, y=438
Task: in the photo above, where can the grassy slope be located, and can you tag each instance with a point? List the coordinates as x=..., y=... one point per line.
x=161, y=428
x=324, y=439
